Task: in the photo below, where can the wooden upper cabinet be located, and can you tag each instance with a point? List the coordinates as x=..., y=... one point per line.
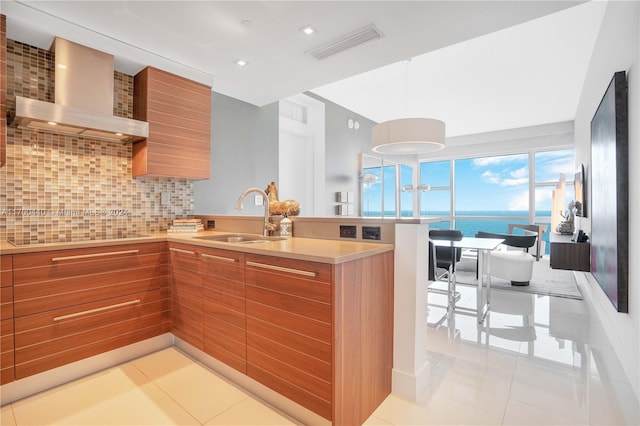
x=179, y=115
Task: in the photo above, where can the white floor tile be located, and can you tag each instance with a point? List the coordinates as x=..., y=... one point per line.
x=520, y=413
x=118, y=396
x=6, y=416
x=250, y=412
x=198, y=390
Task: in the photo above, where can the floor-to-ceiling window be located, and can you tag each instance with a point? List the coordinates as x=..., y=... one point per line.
x=437, y=201
x=488, y=193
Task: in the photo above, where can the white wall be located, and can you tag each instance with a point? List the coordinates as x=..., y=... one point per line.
x=617, y=49
x=244, y=154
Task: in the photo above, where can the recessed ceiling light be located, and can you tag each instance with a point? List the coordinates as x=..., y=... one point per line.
x=52, y=123
x=308, y=30
x=241, y=63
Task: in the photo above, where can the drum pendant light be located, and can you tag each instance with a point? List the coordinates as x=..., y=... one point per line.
x=408, y=135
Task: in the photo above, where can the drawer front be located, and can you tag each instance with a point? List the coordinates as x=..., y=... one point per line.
x=54, y=338
x=222, y=266
x=6, y=352
x=290, y=268
x=50, y=325
x=52, y=280
x=30, y=299
x=79, y=350
x=34, y=267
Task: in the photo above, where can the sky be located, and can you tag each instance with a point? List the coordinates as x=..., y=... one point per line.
x=499, y=183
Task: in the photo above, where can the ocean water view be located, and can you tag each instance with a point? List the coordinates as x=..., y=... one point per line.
x=470, y=222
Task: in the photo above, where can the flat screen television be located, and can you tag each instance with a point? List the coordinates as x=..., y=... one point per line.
x=578, y=184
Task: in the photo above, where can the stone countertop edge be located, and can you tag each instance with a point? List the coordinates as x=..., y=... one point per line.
x=308, y=249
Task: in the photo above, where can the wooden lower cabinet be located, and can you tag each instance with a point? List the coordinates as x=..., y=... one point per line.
x=567, y=254
x=186, y=294
x=322, y=334
x=223, y=282
x=73, y=304
x=317, y=333
x=289, y=329
x=6, y=320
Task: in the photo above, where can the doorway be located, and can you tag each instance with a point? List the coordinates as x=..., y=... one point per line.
x=301, y=154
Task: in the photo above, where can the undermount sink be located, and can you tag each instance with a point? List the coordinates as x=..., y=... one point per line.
x=240, y=238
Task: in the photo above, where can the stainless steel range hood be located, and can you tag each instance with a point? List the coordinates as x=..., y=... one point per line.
x=83, y=99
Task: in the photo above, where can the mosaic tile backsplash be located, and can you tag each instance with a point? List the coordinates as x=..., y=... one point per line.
x=58, y=188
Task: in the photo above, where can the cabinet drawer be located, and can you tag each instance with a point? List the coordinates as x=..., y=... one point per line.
x=52, y=280
x=49, y=325
x=86, y=261
x=30, y=299
x=222, y=266
x=78, y=350
x=50, y=339
x=290, y=268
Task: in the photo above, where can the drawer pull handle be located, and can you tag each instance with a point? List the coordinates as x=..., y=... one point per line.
x=282, y=269
x=224, y=259
x=91, y=311
x=87, y=256
x=177, y=250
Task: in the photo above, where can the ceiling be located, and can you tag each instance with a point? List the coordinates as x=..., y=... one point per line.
x=478, y=65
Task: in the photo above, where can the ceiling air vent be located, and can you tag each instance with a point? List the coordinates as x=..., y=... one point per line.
x=363, y=35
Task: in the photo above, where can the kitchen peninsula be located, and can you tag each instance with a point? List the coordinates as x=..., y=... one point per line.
x=337, y=366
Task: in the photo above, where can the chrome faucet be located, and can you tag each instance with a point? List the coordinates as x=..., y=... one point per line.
x=268, y=226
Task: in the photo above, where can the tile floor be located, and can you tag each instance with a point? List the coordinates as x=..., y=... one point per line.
x=537, y=360
x=163, y=388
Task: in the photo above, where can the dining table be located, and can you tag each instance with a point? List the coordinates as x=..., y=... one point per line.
x=483, y=247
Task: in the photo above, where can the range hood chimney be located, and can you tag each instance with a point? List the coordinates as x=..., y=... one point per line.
x=83, y=99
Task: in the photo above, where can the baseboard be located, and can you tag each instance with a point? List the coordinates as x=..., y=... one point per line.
x=31, y=385
x=600, y=304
